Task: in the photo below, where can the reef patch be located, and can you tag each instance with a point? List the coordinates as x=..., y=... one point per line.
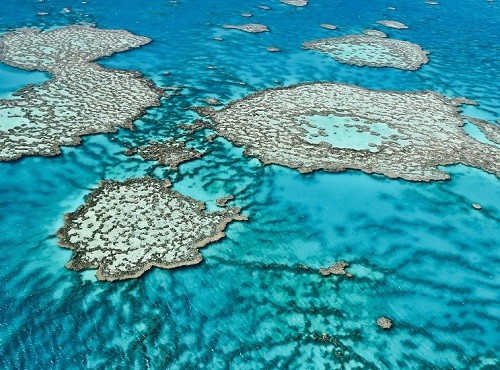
x=125, y=228
x=338, y=268
x=249, y=27
x=335, y=127
x=81, y=97
x=384, y=323
x=393, y=24
x=366, y=50
x=295, y=2
x=170, y=153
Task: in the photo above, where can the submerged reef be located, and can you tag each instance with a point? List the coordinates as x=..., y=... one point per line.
x=384, y=323
x=393, y=24
x=328, y=26
x=80, y=98
x=295, y=2
x=376, y=33
x=273, y=49
x=170, y=153
x=335, y=126
x=367, y=50
x=249, y=27
x=338, y=268
x=212, y=101
x=125, y=228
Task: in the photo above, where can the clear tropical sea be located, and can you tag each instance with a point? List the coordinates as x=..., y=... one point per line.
x=419, y=252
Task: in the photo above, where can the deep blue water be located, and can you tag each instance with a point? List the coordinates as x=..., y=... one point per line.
x=419, y=252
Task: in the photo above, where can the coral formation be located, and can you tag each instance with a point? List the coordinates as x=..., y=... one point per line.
x=334, y=127
x=338, y=268
x=81, y=97
x=125, y=228
x=393, y=24
x=221, y=202
x=170, y=153
x=364, y=50
x=384, y=323
x=490, y=130
x=295, y=2
x=249, y=27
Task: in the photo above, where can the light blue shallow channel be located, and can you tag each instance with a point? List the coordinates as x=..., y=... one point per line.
x=420, y=253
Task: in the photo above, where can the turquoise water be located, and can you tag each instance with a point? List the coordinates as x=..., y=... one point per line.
x=420, y=253
x=344, y=132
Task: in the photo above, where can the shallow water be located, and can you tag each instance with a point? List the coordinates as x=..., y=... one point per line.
x=419, y=252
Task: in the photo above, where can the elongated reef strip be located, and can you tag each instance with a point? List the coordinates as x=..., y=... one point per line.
x=375, y=33
x=490, y=130
x=335, y=126
x=125, y=228
x=295, y=2
x=249, y=27
x=80, y=98
x=393, y=24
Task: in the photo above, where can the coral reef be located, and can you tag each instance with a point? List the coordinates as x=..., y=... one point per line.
x=366, y=50
x=170, y=153
x=374, y=33
x=334, y=127
x=249, y=27
x=295, y=2
x=81, y=97
x=384, y=323
x=338, y=268
x=393, y=24
x=125, y=228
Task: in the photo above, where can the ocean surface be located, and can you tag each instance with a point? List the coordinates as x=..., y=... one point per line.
x=419, y=252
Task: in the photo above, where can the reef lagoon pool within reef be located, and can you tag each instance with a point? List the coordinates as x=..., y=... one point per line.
x=249, y=184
